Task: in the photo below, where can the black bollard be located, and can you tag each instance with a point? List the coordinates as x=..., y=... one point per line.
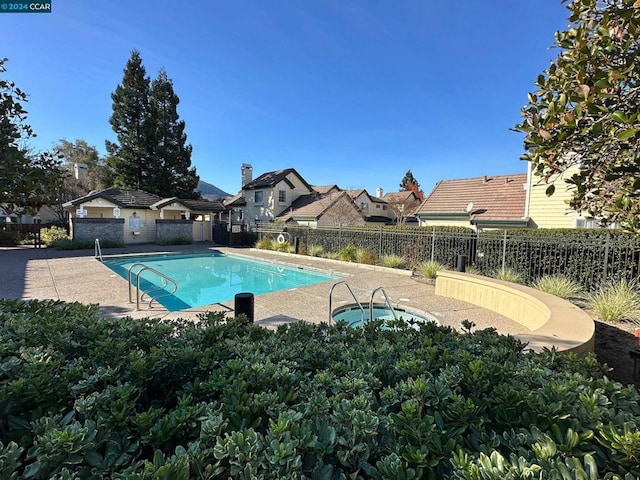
x=462, y=263
x=243, y=305
x=296, y=245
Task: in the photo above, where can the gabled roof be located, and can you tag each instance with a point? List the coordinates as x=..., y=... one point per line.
x=193, y=205
x=323, y=189
x=236, y=201
x=312, y=206
x=120, y=197
x=399, y=197
x=271, y=179
x=493, y=198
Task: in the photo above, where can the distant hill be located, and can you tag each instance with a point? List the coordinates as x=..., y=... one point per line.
x=210, y=192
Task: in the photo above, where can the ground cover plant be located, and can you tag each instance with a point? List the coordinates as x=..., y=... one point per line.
x=616, y=301
x=86, y=397
x=560, y=286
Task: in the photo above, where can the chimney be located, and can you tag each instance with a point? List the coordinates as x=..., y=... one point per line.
x=247, y=173
x=81, y=173
x=379, y=192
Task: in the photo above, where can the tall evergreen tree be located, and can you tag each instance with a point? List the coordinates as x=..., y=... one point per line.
x=172, y=174
x=129, y=158
x=410, y=184
x=152, y=153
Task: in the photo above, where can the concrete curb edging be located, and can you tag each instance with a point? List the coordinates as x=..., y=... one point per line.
x=552, y=321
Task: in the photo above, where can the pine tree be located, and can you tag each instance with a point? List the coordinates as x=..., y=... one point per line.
x=129, y=158
x=410, y=184
x=152, y=153
x=172, y=174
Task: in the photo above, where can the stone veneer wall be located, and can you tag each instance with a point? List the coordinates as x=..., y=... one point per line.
x=111, y=229
x=167, y=231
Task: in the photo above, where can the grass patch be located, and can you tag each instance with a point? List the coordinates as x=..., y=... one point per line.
x=348, y=254
x=560, y=286
x=393, y=261
x=316, y=251
x=429, y=268
x=616, y=301
x=366, y=256
x=509, y=275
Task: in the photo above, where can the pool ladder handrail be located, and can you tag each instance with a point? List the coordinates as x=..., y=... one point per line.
x=343, y=282
x=97, y=251
x=386, y=300
x=165, y=278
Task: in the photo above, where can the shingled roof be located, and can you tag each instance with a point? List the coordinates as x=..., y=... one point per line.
x=271, y=179
x=311, y=206
x=494, y=198
x=193, y=205
x=120, y=197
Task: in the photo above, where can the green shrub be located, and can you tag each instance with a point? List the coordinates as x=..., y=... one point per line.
x=366, y=256
x=348, y=254
x=560, y=286
x=316, y=251
x=616, y=301
x=429, y=269
x=9, y=238
x=393, y=261
x=282, y=247
x=508, y=275
x=265, y=243
x=50, y=235
x=68, y=244
x=89, y=397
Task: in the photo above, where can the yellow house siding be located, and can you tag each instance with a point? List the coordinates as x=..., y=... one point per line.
x=553, y=211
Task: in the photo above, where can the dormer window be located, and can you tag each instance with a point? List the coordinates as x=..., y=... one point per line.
x=258, y=197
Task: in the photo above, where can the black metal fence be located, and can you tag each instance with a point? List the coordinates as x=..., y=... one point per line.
x=591, y=257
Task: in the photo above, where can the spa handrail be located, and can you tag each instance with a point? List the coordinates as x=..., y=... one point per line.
x=343, y=282
x=166, y=280
x=386, y=300
x=97, y=251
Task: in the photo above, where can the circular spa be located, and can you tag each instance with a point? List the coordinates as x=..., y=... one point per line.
x=354, y=315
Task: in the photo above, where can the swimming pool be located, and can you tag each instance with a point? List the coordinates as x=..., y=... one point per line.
x=214, y=277
x=353, y=314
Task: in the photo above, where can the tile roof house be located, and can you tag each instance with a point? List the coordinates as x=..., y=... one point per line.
x=316, y=210
x=138, y=213
x=484, y=202
x=375, y=209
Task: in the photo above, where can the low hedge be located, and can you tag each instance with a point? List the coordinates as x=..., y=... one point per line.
x=88, y=397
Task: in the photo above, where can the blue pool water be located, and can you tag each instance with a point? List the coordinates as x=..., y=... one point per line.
x=353, y=315
x=209, y=278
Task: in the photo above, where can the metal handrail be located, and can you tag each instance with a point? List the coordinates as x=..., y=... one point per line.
x=165, y=278
x=97, y=251
x=343, y=282
x=387, y=301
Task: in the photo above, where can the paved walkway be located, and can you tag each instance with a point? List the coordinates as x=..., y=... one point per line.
x=29, y=273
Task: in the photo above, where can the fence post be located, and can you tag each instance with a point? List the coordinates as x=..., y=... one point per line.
x=504, y=249
x=380, y=243
x=433, y=242
x=606, y=258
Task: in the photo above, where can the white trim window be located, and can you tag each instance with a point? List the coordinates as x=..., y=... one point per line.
x=258, y=197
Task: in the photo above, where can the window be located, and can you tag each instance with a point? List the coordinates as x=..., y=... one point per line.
x=587, y=222
x=257, y=197
x=282, y=196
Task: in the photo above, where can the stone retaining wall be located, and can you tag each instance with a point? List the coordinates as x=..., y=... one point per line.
x=170, y=231
x=111, y=229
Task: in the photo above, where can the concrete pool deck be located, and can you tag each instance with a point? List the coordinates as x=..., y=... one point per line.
x=29, y=273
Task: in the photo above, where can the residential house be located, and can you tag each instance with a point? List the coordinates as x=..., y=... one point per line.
x=482, y=202
x=554, y=211
x=374, y=209
x=317, y=210
x=264, y=198
x=402, y=205
x=134, y=216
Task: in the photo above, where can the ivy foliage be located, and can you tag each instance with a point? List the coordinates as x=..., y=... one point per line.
x=87, y=397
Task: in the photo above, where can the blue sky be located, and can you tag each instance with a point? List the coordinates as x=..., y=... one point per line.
x=347, y=92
